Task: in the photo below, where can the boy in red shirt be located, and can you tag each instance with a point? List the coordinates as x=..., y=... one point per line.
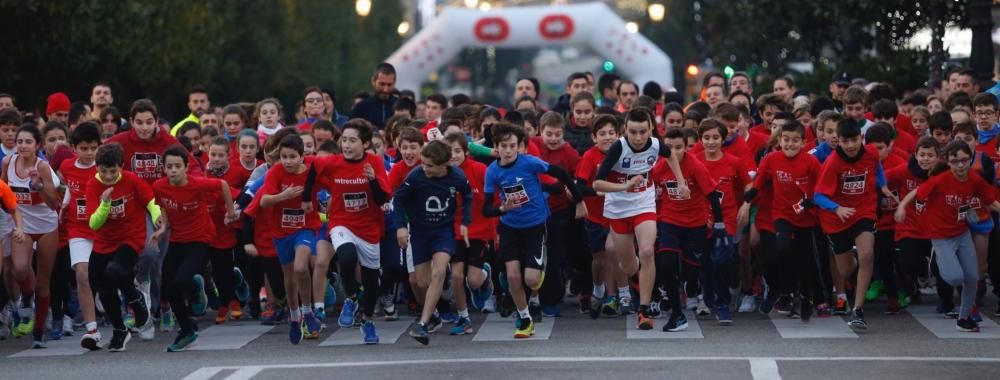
x=792, y=174
x=76, y=174
x=847, y=191
x=729, y=172
x=949, y=203
x=881, y=136
x=116, y=200
x=185, y=201
x=913, y=249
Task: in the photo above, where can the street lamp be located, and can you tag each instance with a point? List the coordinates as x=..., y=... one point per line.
x=656, y=12
x=363, y=7
x=632, y=27
x=485, y=6
x=403, y=28
x=471, y=3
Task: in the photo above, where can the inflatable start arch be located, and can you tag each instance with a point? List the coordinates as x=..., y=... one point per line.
x=594, y=25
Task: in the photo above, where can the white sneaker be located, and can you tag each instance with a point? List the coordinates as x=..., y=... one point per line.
x=490, y=306
x=747, y=304
x=67, y=323
x=91, y=340
x=148, y=331
x=692, y=303
x=702, y=309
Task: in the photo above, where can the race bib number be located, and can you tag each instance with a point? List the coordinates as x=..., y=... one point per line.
x=674, y=191
x=293, y=218
x=638, y=189
x=117, y=208
x=517, y=193
x=963, y=212
x=23, y=195
x=81, y=209
x=355, y=202
x=146, y=165
x=854, y=184
x=798, y=208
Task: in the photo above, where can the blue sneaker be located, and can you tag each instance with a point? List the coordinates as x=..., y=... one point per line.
x=485, y=291
x=975, y=316
x=330, y=298
x=347, y=313
x=242, y=288
x=550, y=311
x=448, y=317
x=56, y=332
x=723, y=316
x=320, y=315
x=368, y=332
x=312, y=325
x=433, y=325
x=276, y=317
x=295, y=332
x=198, y=306
x=462, y=327
x=766, y=305
x=419, y=332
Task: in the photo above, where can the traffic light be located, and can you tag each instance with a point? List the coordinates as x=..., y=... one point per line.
x=608, y=66
x=728, y=71
x=692, y=70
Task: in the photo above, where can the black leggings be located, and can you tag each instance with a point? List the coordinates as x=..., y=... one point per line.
x=182, y=262
x=222, y=273
x=347, y=258
x=886, y=262
x=800, y=248
x=60, y=284
x=913, y=259
x=668, y=268
x=772, y=263
x=553, y=288
x=113, y=272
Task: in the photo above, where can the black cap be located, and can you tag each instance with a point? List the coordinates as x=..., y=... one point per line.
x=841, y=78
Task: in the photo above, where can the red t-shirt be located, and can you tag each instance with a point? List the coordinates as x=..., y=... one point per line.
x=948, y=201
x=587, y=171
x=564, y=157
x=481, y=228
x=126, y=223
x=887, y=206
x=76, y=217
x=732, y=180
x=901, y=182
x=905, y=143
x=351, y=201
x=288, y=217
x=398, y=173
x=186, y=208
x=756, y=142
x=792, y=180
x=849, y=185
x=683, y=211
x=262, y=235
x=225, y=234
x=145, y=157
x=990, y=148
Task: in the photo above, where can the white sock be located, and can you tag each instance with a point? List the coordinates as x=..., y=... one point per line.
x=533, y=300
x=841, y=296
x=318, y=306
x=524, y=314
x=464, y=313
x=305, y=310
x=295, y=314
x=91, y=326
x=598, y=290
x=623, y=291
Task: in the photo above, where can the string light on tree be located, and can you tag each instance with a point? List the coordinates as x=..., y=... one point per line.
x=403, y=28
x=363, y=7
x=471, y=3
x=632, y=27
x=656, y=12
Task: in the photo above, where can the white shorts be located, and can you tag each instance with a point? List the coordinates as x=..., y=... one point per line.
x=369, y=254
x=79, y=251
x=408, y=252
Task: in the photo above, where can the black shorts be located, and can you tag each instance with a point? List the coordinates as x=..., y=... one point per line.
x=526, y=245
x=689, y=242
x=597, y=236
x=843, y=241
x=473, y=255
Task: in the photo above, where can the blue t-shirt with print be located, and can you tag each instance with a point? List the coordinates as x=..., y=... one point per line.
x=520, y=181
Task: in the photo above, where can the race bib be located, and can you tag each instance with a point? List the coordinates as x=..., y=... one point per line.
x=81, y=209
x=640, y=188
x=798, y=208
x=355, y=202
x=963, y=212
x=517, y=193
x=23, y=195
x=854, y=184
x=674, y=191
x=886, y=203
x=293, y=218
x=117, y=208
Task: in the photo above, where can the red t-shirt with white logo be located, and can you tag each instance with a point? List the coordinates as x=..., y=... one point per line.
x=126, y=223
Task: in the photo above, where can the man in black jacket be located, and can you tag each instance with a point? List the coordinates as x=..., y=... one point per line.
x=376, y=109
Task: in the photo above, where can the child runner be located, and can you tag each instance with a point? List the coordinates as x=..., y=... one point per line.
x=115, y=202
x=427, y=202
x=912, y=248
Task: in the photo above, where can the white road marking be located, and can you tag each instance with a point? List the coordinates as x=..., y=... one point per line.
x=764, y=369
x=944, y=328
x=388, y=333
x=792, y=328
x=693, y=330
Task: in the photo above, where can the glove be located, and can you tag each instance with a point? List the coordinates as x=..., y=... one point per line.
x=808, y=203
x=722, y=250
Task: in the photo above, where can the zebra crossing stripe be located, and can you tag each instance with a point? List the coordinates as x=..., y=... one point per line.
x=388, y=333
x=944, y=328
x=498, y=329
x=67, y=346
x=231, y=336
x=794, y=328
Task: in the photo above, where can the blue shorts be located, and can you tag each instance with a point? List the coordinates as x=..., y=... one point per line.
x=984, y=226
x=286, y=245
x=425, y=243
x=688, y=242
x=597, y=236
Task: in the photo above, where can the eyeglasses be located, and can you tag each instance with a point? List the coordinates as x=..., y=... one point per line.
x=314, y=100
x=960, y=161
x=985, y=113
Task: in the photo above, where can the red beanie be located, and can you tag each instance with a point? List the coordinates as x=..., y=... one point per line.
x=57, y=102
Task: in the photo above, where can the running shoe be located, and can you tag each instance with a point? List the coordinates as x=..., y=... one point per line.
x=212, y=292
x=182, y=342
x=389, y=308
x=506, y=305
x=329, y=295
x=975, y=316
x=805, y=310
x=490, y=306
x=91, y=340
x=892, y=307
x=703, y=309
x=448, y=317
x=295, y=332
x=904, y=300
x=26, y=324
x=346, y=319
x=312, y=325
x=645, y=322
x=38, y=339
x=550, y=311
x=368, y=332
x=56, y=331
x=946, y=312
x=874, y=290
x=235, y=310
x=320, y=314
x=147, y=331
x=625, y=305
x=433, y=325
x=68, y=328
x=747, y=304
x=784, y=305
x=222, y=314
x=610, y=306
x=119, y=340
x=677, y=322
x=242, y=288
x=595, y=309
x=277, y=316
x=535, y=311
x=857, y=322
x=584, y=304
x=462, y=327
x=419, y=332
x=654, y=309
x=201, y=299
x=692, y=303
x=723, y=316
x=481, y=295
x=840, y=308
x=526, y=329
x=966, y=325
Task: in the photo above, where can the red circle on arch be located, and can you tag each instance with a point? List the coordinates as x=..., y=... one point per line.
x=556, y=27
x=492, y=29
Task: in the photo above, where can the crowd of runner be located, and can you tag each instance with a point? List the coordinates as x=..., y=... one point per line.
x=624, y=202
